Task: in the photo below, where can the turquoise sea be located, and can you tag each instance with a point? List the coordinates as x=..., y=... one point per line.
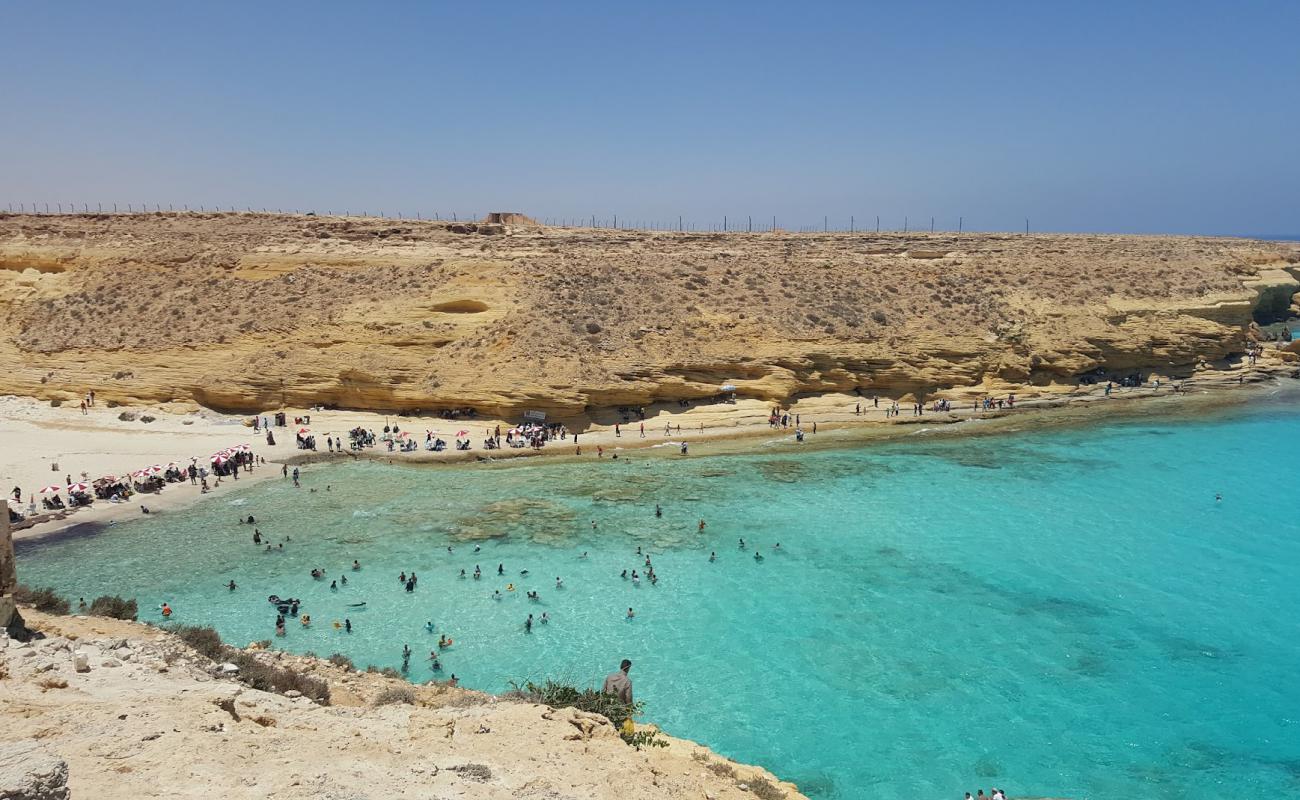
x=1065, y=611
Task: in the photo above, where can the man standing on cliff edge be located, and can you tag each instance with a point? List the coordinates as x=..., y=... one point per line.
x=619, y=684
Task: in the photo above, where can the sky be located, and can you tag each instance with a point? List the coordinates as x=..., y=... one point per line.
x=1175, y=117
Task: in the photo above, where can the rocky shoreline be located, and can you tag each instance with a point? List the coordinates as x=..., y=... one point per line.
x=112, y=709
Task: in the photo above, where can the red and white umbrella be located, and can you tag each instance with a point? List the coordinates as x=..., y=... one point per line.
x=220, y=458
x=461, y=433
x=243, y=448
x=78, y=487
x=140, y=473
x=51, y=489
x=154, y=470
x=304, y=430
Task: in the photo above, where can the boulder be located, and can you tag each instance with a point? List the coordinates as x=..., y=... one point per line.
x=29, y=772
x=80, y=662
x=11, y=621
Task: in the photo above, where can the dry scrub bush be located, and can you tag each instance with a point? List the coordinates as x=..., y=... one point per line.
x=43, y=599
x=394, y=695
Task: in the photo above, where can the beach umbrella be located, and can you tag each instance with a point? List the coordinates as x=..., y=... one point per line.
x=153, y=470
x=304, y=430
x=728, y=387
x=78, y=487
x=140, y=473
x=220, y=458
x=51, y=490
x=461, y=433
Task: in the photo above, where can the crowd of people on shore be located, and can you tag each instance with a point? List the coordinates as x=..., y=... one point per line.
x=115, y=489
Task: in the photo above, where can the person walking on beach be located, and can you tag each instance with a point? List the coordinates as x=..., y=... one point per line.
x=618, y=683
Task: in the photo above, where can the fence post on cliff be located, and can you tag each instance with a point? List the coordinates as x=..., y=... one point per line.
x=959, y=222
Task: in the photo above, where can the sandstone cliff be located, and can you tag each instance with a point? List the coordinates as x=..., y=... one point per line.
x=246, y=312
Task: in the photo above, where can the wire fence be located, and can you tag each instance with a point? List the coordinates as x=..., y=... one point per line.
x=727, y=224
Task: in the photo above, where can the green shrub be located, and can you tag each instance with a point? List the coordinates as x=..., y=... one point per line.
x=558, y=695
x=115, y=607
x=395, y=694
x=43, y=599
x=204, y=641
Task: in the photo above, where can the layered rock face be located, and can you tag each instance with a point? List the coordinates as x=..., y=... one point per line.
x=245, y=312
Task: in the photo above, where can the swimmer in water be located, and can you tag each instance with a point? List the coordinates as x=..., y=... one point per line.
x=347, y=625
x=343, y=579
x=334, y=585
x=659, y=512
x=1218, y=498
x=624, y=575
x=501, y=569
x=478, y=573
x=448, y=548
x=356, y=565
x=406, y=652
x=496, y=595
x=528, y=624
x=231, y=586
x=584, y=554
x=443, y=641
x=630, y=613
x=477, y=548
x=742, y=544
x=713, y=556
x=428, y=626
x=558, y=583
x=523, y=572
x=701, y=526
x=545, y=619
x=462, y=573
x=758, y=556
x=776, y=546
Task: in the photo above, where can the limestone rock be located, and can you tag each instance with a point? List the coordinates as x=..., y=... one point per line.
x=29, y=772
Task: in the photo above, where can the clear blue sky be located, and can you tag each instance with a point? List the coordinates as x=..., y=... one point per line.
x=1146, y=116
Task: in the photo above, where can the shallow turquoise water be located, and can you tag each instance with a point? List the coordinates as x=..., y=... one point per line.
x=1067, y=612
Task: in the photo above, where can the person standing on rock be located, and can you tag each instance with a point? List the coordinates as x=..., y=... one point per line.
x=619, y=684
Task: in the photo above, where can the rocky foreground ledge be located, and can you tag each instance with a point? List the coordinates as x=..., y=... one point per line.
x=100, y=708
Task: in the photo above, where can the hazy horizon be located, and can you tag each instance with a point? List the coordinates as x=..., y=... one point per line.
x=1159, y=118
